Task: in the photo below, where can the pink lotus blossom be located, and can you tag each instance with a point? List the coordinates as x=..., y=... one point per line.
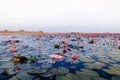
x=54, y=56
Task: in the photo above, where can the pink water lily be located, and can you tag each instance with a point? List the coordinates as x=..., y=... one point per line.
x=39, y=46
x=74, y=57
x=54, y=56
x=11, y=49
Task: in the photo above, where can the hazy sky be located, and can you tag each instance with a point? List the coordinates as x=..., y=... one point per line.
x=60, y=15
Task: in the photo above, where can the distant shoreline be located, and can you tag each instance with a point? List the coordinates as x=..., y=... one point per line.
x=41, y=32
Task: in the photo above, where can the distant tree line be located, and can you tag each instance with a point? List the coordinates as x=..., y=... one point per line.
x=21, y=31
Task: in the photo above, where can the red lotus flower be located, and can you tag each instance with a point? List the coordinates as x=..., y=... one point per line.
x=11, y=49
x=39, y=46
x=74, y=56
x=64, y=46
x=64, y=51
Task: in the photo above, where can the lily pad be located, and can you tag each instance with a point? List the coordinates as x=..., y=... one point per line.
x=92, y=66
x=47, y=74
x=87, y=74
x=115, y=78
x=13, y=78
x=54, y=71
x=7, y=66
x=99, y=78
x=68, y=60
x=106, y=60
x=72, y=76
x=37, y=72
x=46, y=65
x=63, y=70
x=59, y=77
x=87, y=60
x=113, y=69
x=60, y=70
x=24, y=76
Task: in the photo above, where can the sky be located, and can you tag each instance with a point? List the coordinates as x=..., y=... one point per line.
x=60, y=15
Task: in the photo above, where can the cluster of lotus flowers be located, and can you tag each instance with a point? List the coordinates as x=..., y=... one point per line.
x=62, y=72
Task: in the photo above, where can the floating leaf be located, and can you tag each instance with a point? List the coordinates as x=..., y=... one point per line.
x=46, y=65
x=99, y=78
x=92, y=66
x=48, y=74
x=54, y=71
x=13, y=78
x=86, y=74
x=63, y=70
x=113, y=69
x=60, y=70
x=87, y=60
x=24, y=76
x=72, y=76
x=8, y=66
x=115, y=78
x=37, y=72
x=59, y=77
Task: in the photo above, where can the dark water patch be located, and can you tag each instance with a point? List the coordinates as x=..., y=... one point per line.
x=94, y=57
x=104, y=74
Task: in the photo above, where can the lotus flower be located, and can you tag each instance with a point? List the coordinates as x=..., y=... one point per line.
x=39, y=46
x=74, y=57
x=11, y=49
x=64, y=50
x=54, y=56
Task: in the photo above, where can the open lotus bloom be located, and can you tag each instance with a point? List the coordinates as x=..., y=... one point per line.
x=54, y=56
x=39, y=46
x=74, y=56
x=11, y=49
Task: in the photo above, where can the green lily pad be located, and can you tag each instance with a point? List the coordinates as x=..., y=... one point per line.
x=24, y=76
x=54, y=71
x=87, y=74
x=46, y=65
x=72, y=76
x=63, y=70
x=113, y=69
x=47, y=74
x=60, y=70
x=92, y=66
x=37, y=72
x=7, y=66
x=87, y=60
x=115, y=78
x=59, y=77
